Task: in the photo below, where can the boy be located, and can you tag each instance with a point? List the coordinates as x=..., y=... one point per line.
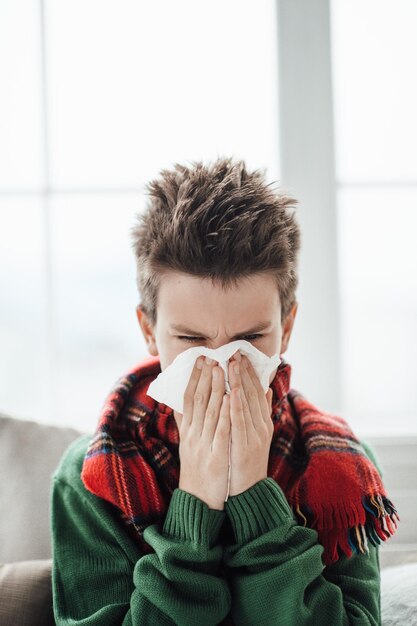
x=142, y=530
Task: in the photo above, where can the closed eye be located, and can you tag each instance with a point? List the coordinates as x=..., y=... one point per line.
x=193, y=339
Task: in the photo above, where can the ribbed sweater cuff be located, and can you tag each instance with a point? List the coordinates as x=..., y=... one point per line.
x=190, y=519
x=257, y=510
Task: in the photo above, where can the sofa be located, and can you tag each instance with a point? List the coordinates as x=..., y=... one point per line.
x=29, y=453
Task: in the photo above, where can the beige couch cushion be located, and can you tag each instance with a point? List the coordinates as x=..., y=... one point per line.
x=29, y=453
x=26, y=593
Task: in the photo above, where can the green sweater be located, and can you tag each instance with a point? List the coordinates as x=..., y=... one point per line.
x=270, y=571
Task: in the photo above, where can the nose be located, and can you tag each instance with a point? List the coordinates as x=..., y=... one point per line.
x=218, y=344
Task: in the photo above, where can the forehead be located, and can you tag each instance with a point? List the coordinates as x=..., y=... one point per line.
x=185, y=299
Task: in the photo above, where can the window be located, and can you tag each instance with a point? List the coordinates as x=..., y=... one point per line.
x=85, y=126
x=375, y=99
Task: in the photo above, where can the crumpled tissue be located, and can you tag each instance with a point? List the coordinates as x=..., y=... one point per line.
x=169, y=386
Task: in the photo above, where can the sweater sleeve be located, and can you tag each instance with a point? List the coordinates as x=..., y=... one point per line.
x=276, y=572
x=100, y=577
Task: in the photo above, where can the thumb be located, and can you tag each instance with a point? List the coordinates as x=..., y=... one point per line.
x=269, y=398
x=178, y=419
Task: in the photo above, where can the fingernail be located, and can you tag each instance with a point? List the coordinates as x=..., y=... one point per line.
x=208, y=360
x=236, y=368
x=199, y=364
x=237, y=356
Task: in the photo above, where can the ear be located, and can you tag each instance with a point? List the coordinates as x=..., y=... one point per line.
x=147, y=330
x=287, y=328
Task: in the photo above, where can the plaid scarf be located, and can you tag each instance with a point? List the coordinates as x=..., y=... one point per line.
x=331, y=485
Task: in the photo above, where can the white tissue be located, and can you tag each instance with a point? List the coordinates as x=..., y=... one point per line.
x=169, y=386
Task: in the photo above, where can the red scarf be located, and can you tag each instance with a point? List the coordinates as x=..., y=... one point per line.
x=329, y=482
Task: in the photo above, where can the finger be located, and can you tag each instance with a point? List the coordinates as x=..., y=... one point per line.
x=250, y=410
x=269, y=419
x=254, y=395
x=222, y=435
x=268, y=402
x=190, y=389
x=201, y=397
x=266, y=409
x=237, y=419
x=248, y=398
x=269, y=398
x=214, y=404
x=240, y=417
x=253, y=375
x=178, y=419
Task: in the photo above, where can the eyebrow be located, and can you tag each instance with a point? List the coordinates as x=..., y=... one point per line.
x=183, y=329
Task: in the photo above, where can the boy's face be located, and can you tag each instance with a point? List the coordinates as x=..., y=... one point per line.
x=212, y=317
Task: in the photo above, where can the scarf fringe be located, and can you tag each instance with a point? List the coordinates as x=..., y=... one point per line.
x=350, y=530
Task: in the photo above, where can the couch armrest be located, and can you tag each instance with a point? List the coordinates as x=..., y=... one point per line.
x=26, y=593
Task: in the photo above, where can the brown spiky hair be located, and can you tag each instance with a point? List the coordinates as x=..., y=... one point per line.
x=217, y=221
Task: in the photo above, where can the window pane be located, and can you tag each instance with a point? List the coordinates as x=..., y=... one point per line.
x=20, y=104
x=375, y=95
x=23, y=310
x=378, y=269
x=98, y=335
x=150, y=83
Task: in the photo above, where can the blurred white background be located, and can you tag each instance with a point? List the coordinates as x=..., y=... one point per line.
x=97, y=97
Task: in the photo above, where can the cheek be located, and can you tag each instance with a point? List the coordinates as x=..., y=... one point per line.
x=169, y=353
x=270, y=345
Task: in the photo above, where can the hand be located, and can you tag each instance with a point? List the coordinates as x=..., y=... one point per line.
x=251, y=426
x=204, y=431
